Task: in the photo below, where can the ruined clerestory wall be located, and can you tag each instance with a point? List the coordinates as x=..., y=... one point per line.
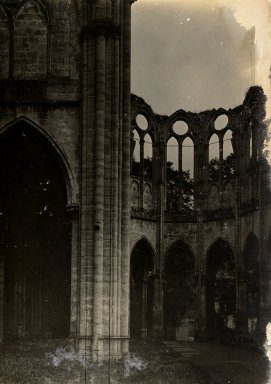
x=226, y=199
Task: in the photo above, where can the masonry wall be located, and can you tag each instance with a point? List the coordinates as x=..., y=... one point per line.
x=230, y=208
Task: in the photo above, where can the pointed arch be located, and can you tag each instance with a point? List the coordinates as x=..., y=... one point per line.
x=44, y=5
x=220, y=289
x=179, y=289
x=140, y=107
x=148, y=156
x=213, y=147
x=188, y=156
x=217, y=241
x=214, y=114
x=180, y=115
x=141, y=289
x=172, y=175
x=36, y=241
x=173, y=152
x=71, y=186
x=214, y=158
x=144, y=239
x=184, y=244
x=136, y=161
x=30, y=41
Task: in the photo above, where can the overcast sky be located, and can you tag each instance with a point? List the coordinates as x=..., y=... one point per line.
x=199, y=54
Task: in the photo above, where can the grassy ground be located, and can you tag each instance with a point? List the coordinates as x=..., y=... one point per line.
x=56, y=363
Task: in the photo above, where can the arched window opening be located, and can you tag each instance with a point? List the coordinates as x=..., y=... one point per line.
x=220, y=291
x=147, y=197
x=35, y=240
x=141, y=290
x=228, y=156
x=30, y=42
x=252, y=269
x=136, y=154
x=179, y=293
x=213, y=197
x=221, y=122
x=172, y=175
x=142, y=122
x=4, y=45
x=147, y=157
x=135, y=194
x=214, y=163
x=187, y=181
x=180, y=127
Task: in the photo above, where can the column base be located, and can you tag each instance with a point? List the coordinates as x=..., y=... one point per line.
x=112, y=349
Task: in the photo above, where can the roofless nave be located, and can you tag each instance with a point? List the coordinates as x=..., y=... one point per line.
x=116, y=222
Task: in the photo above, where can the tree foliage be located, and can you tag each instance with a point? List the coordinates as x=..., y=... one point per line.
x=180, y=190
x=228, y=166
x=221, y=284
x=180, y=185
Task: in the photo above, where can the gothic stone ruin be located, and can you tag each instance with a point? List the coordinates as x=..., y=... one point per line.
x=117, y=222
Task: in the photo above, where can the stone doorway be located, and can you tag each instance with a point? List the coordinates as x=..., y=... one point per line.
x=179, y=293
x=35, y=238
x=141, y=290
x=220, y=291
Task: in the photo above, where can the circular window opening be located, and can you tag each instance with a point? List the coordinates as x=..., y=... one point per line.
x=221, y=122
x=142, y=122
x=180, y=127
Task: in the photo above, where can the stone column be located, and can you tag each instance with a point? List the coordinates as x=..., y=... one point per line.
x=158, y=282
x=72, y=212
x=201, y=162
x=201, y=326
x=105, y=193
x=157, y=307
x=125, y=238
x=144, y=309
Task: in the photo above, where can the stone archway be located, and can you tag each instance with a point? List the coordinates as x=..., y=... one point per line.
x=179, y=292
x=220, y=291
x=141, y=290
x=35, y=237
